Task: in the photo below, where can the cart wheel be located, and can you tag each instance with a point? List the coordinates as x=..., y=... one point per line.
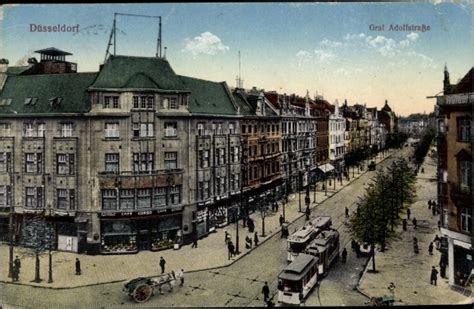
x=142, y=293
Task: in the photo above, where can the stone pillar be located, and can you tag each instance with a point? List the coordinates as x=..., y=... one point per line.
x=451, y=260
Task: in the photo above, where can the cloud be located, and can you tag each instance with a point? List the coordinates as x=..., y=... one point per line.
x=342, y=71
x=205, y=43
x=324, y=56
x=413, y=36
x=318, y=55
x=329, y=43
x=385, y=46
x=425, y=61
x=351, y=37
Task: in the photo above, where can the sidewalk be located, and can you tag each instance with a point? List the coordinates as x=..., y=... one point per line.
x=410, y=272
x=210, y=253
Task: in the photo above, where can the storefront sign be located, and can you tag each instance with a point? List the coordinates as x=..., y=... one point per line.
x=147, y=212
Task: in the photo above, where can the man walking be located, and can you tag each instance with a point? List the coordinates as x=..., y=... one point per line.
x=15, y=273
x=17, y=264
x=347, y=213
x=344, y=255
x=181, y=277
x=434, y=276
x=162, y=264
x=255, y=239
x=430, y=248
x=408, y=213
x=307, y=213
x=230, y=248
x=404, y=223
x=78, y=267
x=195, y=242
x=266, y=292
x=282, y=220
x=414, y=223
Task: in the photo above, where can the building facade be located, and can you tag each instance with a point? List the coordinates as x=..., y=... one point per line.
x=455, y=177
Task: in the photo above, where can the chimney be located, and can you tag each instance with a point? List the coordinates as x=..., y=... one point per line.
x=3, y=72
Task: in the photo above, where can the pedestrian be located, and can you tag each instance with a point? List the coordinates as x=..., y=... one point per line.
x=162, y=264
x=415, y=245
x=439, y=225
x=433, y=210
x=422, y=170
x=357, y=250
x=15, y=273
x=442, y=269
x=282, y=220
x=353, y=244
x=414, y=222
x=78, y=267
x=229, y=248
x=437, y=242
x=226, y=237
x=266, y=292
x=248, y=242
x=344, y=255
x=430, y=248
x=307, y=213
x=181, y=277
x=276, y=206
x=404, y=223
x=17, y=263
x=408, y=213
x=434, y=276
x=251, y=225
x=255, y=239
x=347, y=212
x=194, y=242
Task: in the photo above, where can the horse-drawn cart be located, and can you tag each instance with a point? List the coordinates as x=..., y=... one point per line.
x=142, y=288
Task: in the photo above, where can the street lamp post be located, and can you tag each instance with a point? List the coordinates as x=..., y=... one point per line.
x=299, y=190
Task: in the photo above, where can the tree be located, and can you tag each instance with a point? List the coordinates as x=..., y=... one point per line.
x=37, y=234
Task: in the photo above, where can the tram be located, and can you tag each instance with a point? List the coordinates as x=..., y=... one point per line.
x=299, y=240
x=296, y=281
x=326, y=248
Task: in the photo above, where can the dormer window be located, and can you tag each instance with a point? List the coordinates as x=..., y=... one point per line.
x=111, y=102
x=169, y=103
x=143, y=102
x=55, y=101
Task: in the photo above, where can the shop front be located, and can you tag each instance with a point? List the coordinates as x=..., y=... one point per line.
x=200, y=221
x=462, y=265
x=130, y=234
x=67, y=236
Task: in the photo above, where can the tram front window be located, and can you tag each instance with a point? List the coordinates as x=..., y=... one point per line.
x=296, y=247
x=291, y=286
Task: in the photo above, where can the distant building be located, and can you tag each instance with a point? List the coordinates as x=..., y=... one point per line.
x=455, y=177
x=337, y=147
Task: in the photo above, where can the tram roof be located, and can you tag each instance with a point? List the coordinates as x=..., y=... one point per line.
x=321, y=221
x=296, y=270
x=301, y=234
x=323, y=238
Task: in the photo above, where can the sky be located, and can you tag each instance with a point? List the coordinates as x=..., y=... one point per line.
x=337, y=50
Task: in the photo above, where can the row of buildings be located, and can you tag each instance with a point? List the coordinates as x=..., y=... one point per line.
x=455, y=137
x=136, y=157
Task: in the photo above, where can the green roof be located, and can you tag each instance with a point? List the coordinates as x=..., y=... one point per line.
x=71, y=88
x=208, y=97
x=17, y=70
x=137, y=72
x=245, y=107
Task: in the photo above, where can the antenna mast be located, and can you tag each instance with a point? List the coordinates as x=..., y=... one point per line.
x=113, y=34
x=239, y=81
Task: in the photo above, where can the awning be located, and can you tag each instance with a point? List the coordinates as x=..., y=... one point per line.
x=325, y=168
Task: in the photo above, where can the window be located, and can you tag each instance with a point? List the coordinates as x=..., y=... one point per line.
x=204, y=190
x=143, y=162
x=221, y=185
x=159, y=196
x=169, y=103
x=175, y=195
x=171, y=160
x=66, y=129
x=34, y=129
x=33, y=162
x=65, y=164
x=220, y=131
x=5, y=129
x=112, y=130
x=115, y=103
x=5, y=162
x=106, y=102
x=466, y=220
x=171, y=129
x=144, y=198
x=231, y=128
x=112, y=162
x=144, y=129
x=144, y=102
x=221, y=156
x=465, y=173
x=34, y=197
x=5, y=196
x=127, y=198
x=200, y=128
x=63, y=196
x=204, y=158
x=109, y=199
x=234, y=154
x=111, y=102
x=464, y=129
x=244, y=129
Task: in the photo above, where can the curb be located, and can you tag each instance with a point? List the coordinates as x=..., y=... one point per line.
x=214, y=267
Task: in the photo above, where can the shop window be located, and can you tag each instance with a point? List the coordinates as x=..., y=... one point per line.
x=127, y=198
x=5, y=162
x=109, y=199
x=171, y=160
x=159, y=196
x=112, y=162
x=464, y=129
x=33, y=162
x=144, y=197
x=65, y=164
x=34, y=197
x=466, y=220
